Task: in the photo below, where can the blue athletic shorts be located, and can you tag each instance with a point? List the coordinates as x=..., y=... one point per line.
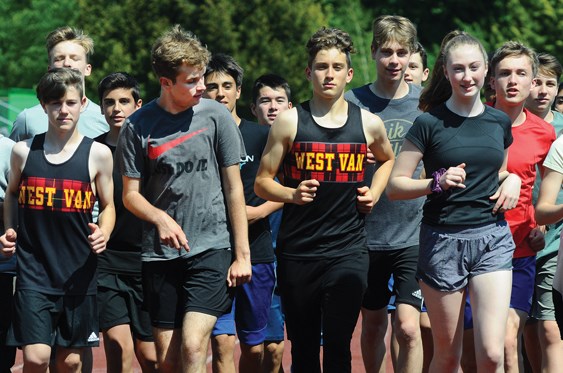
x=251, y=307
x=523, y=280
x=275, y=328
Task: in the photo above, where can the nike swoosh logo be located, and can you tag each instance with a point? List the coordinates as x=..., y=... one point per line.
x=156, y=151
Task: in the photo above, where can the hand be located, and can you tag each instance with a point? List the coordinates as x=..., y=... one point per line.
x=240, y=272
x=365, y=200
x=536, y=239
x=370, y=158
x=305, y=192
x=454, y=177
x=8, y=242
x=507, y=194
x=171, y=233
x=96, y=239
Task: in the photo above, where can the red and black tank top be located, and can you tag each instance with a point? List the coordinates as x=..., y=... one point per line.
x=55, y=206
x=331, y=225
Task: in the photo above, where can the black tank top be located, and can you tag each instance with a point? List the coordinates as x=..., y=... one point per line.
x=331, y=225
x=55, y=206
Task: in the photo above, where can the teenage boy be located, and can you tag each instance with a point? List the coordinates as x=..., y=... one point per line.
x=7, y=266
x=66, y=47
x=55, y=179
x=393, y=226
x=417, y=70
x=124, y=323
x=544, y=347
x=249, y=315
x=322, y=260
x=271, y=95
x=514, y=67
x=179, y=156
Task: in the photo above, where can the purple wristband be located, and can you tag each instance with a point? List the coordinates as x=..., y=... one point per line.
x=435, y=187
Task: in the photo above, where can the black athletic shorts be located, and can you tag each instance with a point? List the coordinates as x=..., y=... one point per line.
x=120, y=301
x=196, y=284
x=68, y=321
x=402, y=264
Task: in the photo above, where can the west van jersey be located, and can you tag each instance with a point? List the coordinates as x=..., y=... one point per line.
x=55, y=206
x=330, y=225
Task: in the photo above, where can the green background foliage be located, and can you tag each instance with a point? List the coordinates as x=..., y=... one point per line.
x=263, y=35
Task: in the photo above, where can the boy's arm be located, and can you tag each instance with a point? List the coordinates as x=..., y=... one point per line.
x=240, y=271
x=280, y=137
x=18, y=158
x=170, y=232
x=255, y=213
x=101, y=232
x=547, y=211
x=383, y=153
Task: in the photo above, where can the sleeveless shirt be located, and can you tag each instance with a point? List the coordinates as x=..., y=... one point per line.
x=55, y=206
x=330, y=225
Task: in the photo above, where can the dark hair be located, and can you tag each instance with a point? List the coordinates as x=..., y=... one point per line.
x=327, y=38
x=273, y=81
x=56, y=82
x=438, y=90
x=119, y=80
x=225, y=64
x=418, y=48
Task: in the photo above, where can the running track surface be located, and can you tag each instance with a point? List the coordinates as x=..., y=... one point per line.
x=100, y=362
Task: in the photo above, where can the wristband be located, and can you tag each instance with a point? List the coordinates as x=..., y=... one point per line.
x=435, y=187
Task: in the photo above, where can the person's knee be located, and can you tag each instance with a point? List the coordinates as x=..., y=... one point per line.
x=490, y=359
x=70, y=363
x=252, y=353
x=407, y=332
x=374, y=327
x=223, y=346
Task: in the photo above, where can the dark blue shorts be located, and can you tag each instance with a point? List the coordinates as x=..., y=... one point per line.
x=251, y=307
x=523, y=281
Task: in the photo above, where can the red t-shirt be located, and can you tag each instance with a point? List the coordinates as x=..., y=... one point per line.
x=532, y=140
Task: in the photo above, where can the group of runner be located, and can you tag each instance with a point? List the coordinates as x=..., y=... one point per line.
x=169, y=243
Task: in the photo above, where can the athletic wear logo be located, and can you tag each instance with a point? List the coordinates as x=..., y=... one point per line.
x=38, y=193
x=93, y=337
x=328, y=162
x=417, y=294
x=156, y=151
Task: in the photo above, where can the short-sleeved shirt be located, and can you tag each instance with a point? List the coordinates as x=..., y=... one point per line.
x=532, y=140
x=447, y=140
x=259, y=235
x=178, y=159
x=33, y=121
x=554, y=161
x=392, y=225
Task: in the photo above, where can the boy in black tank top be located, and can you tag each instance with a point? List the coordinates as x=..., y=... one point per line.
x=322, y=255
x=55, y=179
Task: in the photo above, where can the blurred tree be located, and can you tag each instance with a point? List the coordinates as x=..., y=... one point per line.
x=24, y=25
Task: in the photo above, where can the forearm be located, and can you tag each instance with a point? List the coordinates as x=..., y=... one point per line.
x=10, y=211
x=141, y=208
x=380, y=179
x=239, y=223
x=106, y=220
x=404, y=187
x=262, y=211
x=271, y=190
x=548, y=214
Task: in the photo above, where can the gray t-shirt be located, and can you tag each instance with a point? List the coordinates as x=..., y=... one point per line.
x=178, y=158
x=32, y=121
x=7, y=265
x=392, y=225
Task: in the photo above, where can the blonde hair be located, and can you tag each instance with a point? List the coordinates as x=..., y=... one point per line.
x=514, y=49
x=394, y=28
x=175, y=48
x=67, y=33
